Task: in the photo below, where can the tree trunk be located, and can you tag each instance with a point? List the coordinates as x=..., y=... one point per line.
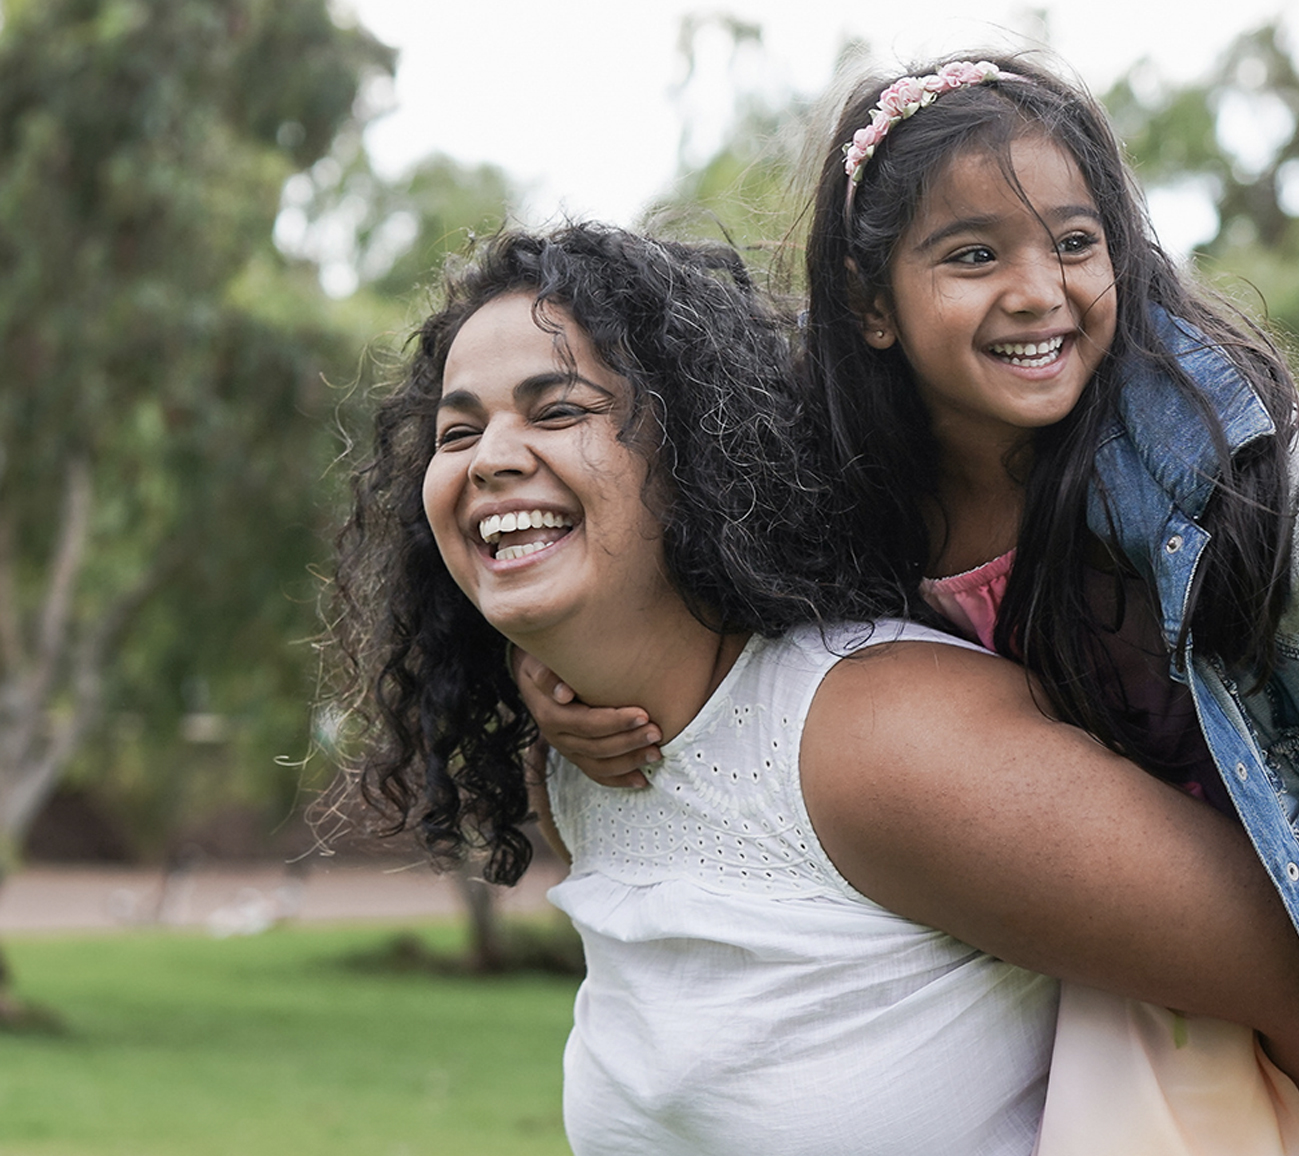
x=486, y=951
x=51, y=691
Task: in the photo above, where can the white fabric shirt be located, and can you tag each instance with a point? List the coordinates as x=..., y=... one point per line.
x=741, y=997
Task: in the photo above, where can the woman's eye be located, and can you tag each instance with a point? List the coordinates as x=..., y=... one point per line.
x=561, y=412
x=454, y=436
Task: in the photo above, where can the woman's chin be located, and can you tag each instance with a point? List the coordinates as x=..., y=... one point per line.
x=520, y=622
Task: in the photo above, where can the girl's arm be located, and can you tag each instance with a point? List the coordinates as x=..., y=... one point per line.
x=939, y=789
x=608, y=744
x=539, y=801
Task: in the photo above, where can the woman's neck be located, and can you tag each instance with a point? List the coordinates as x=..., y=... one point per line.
x=667, y=667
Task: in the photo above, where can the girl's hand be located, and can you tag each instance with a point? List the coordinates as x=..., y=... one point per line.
x=608, y=744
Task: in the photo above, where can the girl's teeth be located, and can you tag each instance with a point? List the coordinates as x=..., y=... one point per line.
x=1029, y=353
x=1028, y=348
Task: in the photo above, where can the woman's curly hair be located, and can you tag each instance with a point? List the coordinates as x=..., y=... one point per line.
x=747, y=512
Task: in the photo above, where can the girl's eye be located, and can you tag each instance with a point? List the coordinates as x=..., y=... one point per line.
x=974, y=255
x=1077, y=243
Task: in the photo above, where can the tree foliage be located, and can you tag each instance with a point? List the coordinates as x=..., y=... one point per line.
x=161, y=396
x=1234, y=136
x=390, y=236
x=747, y=189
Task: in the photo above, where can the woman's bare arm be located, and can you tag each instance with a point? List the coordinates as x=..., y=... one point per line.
x=939, y=789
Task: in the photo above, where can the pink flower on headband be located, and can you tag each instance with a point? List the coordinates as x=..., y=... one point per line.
x=902, y=97
x=961, y=72
x=905, y=97
x=870, y=136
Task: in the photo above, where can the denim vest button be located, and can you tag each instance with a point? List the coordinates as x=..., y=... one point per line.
x=1242, y=772
x=1292, y=872
x=1173, y=544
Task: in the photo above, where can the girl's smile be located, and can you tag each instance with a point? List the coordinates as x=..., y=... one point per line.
x=1002, y=299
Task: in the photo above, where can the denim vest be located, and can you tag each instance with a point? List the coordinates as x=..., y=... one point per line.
x=1157, y=467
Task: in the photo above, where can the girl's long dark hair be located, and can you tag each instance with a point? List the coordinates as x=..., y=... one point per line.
x=880, y=429
x=748, y=517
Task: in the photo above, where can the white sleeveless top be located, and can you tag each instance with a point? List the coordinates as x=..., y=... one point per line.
x=741, y=998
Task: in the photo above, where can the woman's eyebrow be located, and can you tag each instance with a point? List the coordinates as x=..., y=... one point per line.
x=526, y=390
x=463, y=399
x=538, y=383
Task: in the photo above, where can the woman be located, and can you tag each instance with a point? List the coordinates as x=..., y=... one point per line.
x=617, y=478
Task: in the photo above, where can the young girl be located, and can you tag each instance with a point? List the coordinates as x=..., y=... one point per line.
x=1088, y=466
x=1051, y=440
x=599, y=421
x=1012, y=363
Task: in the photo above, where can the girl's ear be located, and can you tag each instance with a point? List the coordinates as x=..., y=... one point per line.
x=875, y=317
x=877, y=323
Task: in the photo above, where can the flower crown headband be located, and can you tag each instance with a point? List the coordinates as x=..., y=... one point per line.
x=903, y=98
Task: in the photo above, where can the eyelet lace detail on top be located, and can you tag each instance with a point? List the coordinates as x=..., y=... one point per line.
x=724, y=807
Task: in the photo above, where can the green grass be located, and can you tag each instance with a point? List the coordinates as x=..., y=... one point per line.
x=185, y=1046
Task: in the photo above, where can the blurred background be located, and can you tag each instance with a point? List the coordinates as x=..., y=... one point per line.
x=219, y=219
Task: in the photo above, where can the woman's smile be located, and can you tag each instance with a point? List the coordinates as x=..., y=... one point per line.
x=517, y=534
x=534, y=493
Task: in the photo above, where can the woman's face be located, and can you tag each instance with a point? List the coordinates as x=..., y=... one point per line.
x=536, y=505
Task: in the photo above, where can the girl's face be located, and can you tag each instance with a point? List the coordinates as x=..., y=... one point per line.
x=535, y=503
x=1002, y=301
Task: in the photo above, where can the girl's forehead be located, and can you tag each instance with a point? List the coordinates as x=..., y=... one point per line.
x=1032, y=172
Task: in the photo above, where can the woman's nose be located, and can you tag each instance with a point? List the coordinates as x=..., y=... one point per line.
x=501, y=452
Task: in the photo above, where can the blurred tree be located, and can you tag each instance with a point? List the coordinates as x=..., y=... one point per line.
x=388, y=237
x=746, y=191
x=745, y=188
x=1234, y=139
x=160, y=363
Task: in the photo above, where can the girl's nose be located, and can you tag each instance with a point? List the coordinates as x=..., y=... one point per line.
x=1035, y=287
x=501, y=453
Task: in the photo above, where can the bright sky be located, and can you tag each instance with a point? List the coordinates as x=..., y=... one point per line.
x=575, y=98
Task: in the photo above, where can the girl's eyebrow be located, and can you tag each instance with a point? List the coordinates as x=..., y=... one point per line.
x=528, y=389
x=952, y=228
x=1053, y=216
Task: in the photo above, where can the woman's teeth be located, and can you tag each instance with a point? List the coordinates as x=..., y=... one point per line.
x=1031, y=355
x=506, y=553
x=491, y=529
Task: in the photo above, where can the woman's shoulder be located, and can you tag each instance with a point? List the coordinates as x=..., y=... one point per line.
x=840, y=639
